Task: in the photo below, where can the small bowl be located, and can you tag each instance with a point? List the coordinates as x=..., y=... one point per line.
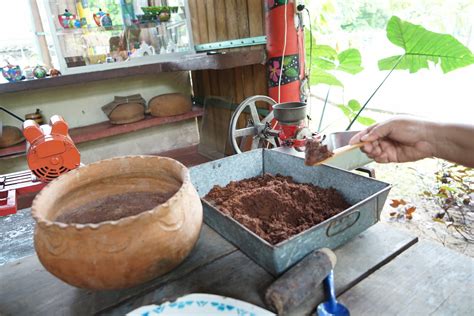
x=290, y=112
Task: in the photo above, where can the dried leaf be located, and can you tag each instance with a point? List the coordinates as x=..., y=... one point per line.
x=410, y=210
x=396, y=203
x=409, y=217
x=393, y=213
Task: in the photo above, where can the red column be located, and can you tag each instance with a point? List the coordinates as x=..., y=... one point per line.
x=293, y=61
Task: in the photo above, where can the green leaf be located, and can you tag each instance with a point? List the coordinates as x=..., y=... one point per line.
x=422, y=46
x=350, y=61
x=323, y=63
x=325, y=51
x=347, y=112
x=320, y=76
x=291, y=72
x=367, y=121
x=354, y=105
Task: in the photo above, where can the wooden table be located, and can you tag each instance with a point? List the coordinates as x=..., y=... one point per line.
x=381, y=271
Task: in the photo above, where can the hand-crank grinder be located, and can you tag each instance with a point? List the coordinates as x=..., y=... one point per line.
x=283, y=126
x=50, y=153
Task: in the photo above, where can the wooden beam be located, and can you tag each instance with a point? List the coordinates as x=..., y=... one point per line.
x=187, y=63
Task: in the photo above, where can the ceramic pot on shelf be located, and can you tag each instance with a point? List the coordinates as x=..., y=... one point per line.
x=36, y=116
x=169, y=104
x=67, y=20
x=10, y=135
x=40, y=72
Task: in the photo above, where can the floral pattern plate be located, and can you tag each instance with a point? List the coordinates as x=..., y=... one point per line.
x=202, y=305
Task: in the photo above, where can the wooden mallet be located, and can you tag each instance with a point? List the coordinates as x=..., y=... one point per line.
x=298, y=284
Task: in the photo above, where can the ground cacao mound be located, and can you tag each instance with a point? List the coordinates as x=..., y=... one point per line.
x=114, y=207
x=276, y=207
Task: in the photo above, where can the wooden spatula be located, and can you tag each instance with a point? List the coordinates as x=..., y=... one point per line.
x=338, y=151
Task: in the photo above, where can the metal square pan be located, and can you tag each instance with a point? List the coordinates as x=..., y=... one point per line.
x=367, y=197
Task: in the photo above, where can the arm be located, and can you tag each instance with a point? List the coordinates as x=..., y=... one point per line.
x=455, y=143
x=405, y=139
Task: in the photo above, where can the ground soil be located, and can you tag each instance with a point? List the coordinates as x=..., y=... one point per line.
x=276, y=207
x=409, y=181
x=114, y=207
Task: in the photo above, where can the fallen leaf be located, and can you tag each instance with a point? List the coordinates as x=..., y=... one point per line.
x=396, y=203
x=410, y=210
x=393, y=214
x=409, y=216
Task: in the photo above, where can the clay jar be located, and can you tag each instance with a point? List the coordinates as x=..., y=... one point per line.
x=10, y=136
x=170, y=104
x=120, y=253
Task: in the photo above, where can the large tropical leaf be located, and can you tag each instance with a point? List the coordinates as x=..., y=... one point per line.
x=350, y=61
x=350, y=111
x=422, y=46
x=319, y=76
x=325, y=58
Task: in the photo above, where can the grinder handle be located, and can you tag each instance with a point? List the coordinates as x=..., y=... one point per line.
x=298, y=284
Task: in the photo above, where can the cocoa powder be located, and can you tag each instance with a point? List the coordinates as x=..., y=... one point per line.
x=276, y=207
x=315, y=152
x=114, y=207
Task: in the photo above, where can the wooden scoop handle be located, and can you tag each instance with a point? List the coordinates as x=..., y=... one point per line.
x=339, y=151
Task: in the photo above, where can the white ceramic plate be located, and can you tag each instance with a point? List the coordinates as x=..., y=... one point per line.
x=202, y=305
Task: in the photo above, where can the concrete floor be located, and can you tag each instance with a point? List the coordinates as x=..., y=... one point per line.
x=16, y=235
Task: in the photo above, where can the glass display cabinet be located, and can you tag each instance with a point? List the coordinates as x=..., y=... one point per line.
x=94, y=35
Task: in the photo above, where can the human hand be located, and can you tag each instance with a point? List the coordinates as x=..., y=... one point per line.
x=400, y=139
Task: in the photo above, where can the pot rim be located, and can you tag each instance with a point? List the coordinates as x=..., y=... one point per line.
x=46, y=223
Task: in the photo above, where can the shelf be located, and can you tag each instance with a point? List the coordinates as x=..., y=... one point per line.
x=151, y=24
x=106, y=129
x=190, y=62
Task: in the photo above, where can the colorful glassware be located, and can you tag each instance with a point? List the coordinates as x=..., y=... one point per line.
x=40, y=72
x=67, y=20
x=12, y=73
x=102, y=19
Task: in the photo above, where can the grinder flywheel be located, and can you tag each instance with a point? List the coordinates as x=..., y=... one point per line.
x=258, y=132
x=283, y=126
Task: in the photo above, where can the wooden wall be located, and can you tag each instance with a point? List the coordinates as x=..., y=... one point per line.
x=221, y=20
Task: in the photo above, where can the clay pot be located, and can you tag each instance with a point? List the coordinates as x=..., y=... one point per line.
x=10, y=136
x=36, y=116
x=125, y=252
x=127, y=113
x=126, y=109
x=170, y=104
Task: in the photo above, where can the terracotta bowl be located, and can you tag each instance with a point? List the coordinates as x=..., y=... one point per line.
x=119, y=253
